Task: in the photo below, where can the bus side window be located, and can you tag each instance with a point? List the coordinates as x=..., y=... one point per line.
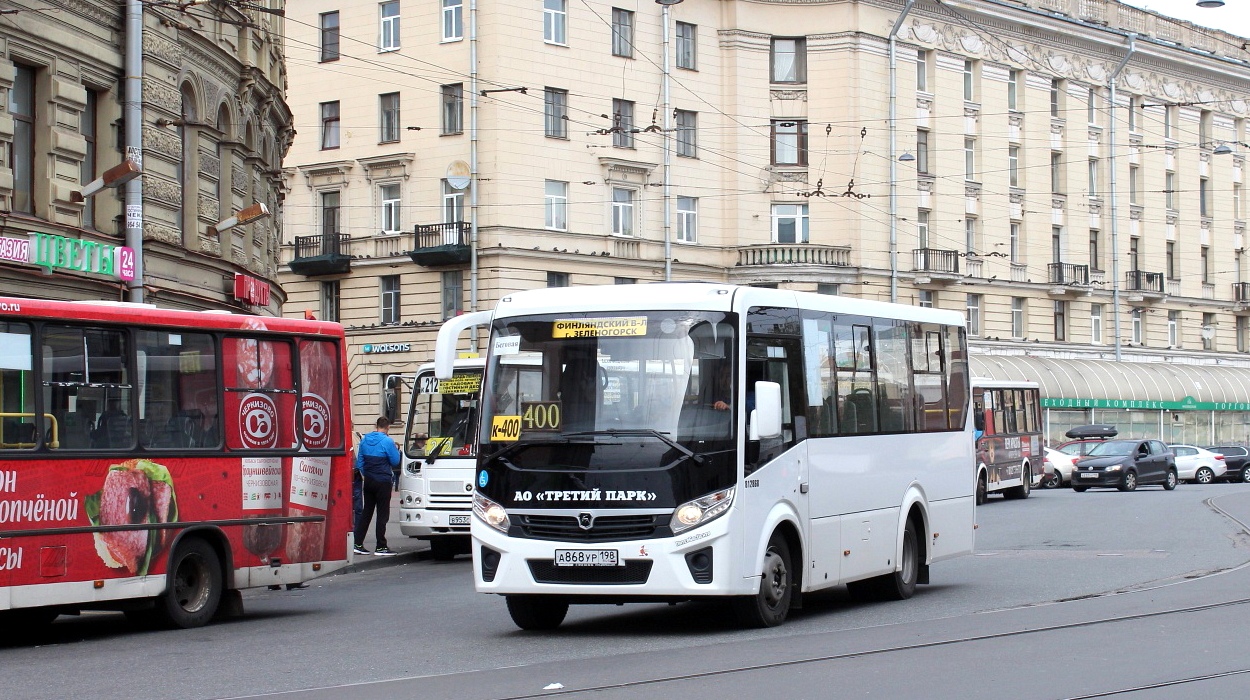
x=85, y=371
x=17, y=392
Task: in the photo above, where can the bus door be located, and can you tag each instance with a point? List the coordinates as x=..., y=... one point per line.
x=776, y=469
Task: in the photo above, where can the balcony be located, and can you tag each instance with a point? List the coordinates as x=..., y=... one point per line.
x=1145, y=282
x=1241, y=292
x=794, y=254
x=1068, y=273
x=328, y=254
x=934, y=260
x=441, y=244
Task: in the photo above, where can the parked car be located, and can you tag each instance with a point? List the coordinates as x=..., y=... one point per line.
x=1126, y=464
x=1196, y=465
x=1058, y=469
x=1237, y=459
x=1085, y=438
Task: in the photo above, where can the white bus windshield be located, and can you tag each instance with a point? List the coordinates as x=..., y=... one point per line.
x=442, y=421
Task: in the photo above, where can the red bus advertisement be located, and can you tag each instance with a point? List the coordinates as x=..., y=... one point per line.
x=157, y=461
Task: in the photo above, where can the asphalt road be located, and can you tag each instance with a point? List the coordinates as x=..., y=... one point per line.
x=988, y=624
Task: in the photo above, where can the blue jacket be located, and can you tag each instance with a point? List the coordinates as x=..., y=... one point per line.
x=377, y=456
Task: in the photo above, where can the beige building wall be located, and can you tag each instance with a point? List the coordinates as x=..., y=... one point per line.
x=845, y=183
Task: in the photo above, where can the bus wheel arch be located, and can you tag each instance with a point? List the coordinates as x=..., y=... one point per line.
x=918, y=516
x=982, y=488
x=770, y=604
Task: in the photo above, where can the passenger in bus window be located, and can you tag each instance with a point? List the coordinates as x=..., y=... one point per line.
x=206, y=431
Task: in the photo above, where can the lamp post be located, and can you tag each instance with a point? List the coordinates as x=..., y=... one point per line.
x=667, y=140
x=244, y=216
x=894, y=150
x=1115, y=238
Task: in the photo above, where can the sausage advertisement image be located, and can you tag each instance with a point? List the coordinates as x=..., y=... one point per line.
x=135, y=492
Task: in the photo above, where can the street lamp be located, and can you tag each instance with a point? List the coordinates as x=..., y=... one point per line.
x=1209, y=4
x=115, y=176
x=907, y=157
x=1222, y=150
x=667, y=140
x=244, y=216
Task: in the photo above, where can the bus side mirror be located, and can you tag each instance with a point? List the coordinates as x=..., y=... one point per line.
x=766, y=418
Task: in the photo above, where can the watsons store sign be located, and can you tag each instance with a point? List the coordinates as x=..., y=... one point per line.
x=1188, y=403
x=53, y=252
x=376, y=348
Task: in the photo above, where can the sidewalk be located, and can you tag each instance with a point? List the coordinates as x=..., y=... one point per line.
x=407, y=549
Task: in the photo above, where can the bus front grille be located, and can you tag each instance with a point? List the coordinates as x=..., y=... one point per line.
x=633, y=572
x=606, y=528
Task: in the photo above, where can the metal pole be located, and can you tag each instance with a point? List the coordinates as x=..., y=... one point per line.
x=894, y=150
x=473, y=168
x=668, y=154
x=133, y=116
x=1115, y=236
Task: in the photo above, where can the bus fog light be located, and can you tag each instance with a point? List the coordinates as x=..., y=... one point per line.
x=701, y=510
x=490, y=512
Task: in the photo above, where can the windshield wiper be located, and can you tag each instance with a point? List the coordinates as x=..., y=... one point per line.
x=643, y=432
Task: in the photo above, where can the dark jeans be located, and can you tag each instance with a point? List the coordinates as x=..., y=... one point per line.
x=377, y=497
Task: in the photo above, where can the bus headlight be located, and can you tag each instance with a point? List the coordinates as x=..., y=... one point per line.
x=490, y=512
x=701, y=510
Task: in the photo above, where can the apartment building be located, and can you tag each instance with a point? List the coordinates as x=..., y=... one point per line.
x=1095, y=245
x=215, y=128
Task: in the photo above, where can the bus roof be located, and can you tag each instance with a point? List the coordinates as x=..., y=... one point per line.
x=15, y=309
x=461, y=363
x=704, y=296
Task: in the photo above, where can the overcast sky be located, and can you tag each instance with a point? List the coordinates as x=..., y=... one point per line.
x=1233, y=17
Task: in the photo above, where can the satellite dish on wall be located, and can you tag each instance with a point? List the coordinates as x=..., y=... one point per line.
x=1208, y=332
x=458, y=174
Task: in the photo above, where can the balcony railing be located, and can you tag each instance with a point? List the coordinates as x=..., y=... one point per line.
x=1068, y=273
x=1241, y=291
x=327, y=254
x=794, y=254
x=1140, y=281
x=935, y=260
x=441, y=244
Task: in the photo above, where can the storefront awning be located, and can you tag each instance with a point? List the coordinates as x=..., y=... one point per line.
x=1076, y=383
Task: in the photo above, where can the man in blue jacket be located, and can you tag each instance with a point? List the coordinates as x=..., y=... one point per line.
x=376, y=458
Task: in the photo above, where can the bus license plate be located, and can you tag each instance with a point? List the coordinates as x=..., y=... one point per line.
x=457, y=520
x=587, y=557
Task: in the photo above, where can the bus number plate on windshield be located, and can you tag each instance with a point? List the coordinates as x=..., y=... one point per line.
x=587, y=557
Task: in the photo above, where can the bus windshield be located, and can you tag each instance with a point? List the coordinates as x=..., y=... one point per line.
x=443, y=417
x=644, y=388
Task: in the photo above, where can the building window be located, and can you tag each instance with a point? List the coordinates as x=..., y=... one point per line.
x=555, y=22
x=789, y=60
x=1133, y=257
x=922, y=70
x=1057, y=94
x=87, y=127
x=330, y=301
x=970, y=236
x=1243, y=334
x=622, y=33
x=970, y=93
x=556, y=205
x=1237, y=213
x=1208, y=331
x=623, y=123
x=974, y=314
x=1204, y=197
x=453, y=204
x=1169, y=190
x=452, y=293
x=1014, y=242
x=622, y=211
x=1017, y=318
x=1134, y=173
x=555, y=113
x=1056, y=244
x=970, y=159
x=1204, y=259
x=388, y=105
x=624, y=280
x=453, y=20
x=1013, y=90
x=389, y=195
x=1134, y=104
x=687, y=50
x=388, y=33
x=390, y=299
x=22, y=148
x=1061, y=321
x=1091, y=107
x=1013, y=165
x=1139, y=329
x=1095, y=324
x=922, y=151
x=827, y=288
x=1169, y=260
x=687, y=219
x=330, y=36
x=453, y=108
x=557, y=279
x=1169, y=122
x=926, y=299
x=1095, y=249
x=329, y=125
x=687, y=143
x=1174, y=321
x=329, y=213
x=1093, y=177
x=789, y=142
x=922, y=228
x=1056, y=172
x=790, y=223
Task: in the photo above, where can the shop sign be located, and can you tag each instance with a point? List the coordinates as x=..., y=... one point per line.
x=54, y=252
x=376, y=348
x=1186, y=404
x=251, y=289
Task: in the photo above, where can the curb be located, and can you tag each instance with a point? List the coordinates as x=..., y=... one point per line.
x=368, y=562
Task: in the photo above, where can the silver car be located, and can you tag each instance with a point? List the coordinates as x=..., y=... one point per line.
x=1196, y=465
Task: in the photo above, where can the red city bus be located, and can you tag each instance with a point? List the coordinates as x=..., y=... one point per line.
x=1008, y=420
x=124, y=486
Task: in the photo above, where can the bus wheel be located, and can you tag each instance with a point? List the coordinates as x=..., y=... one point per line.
x=195, y=586
x=1025, y=487
x=982, y=489
x=537, y=612
x=901, y=584
x=444, y=548
x=769, y=607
